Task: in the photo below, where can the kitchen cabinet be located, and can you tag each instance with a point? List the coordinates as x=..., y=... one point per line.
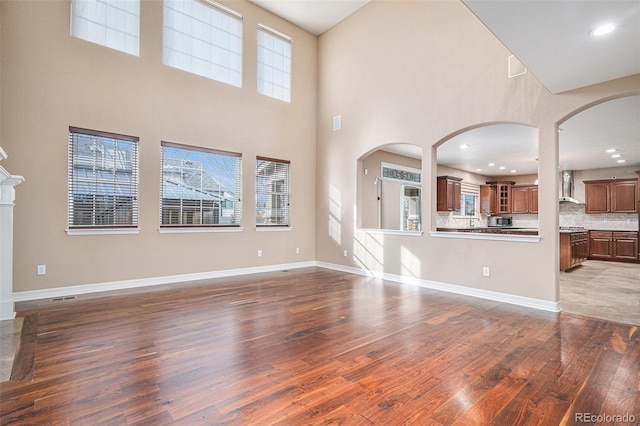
x=613, y=245
x=611, y=196
x=574, y=249
x=448, y=194
x=524, y=199
x=495, y=197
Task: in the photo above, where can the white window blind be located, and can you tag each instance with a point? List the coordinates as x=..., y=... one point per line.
x=200, y=187
x=103, y=179
x=203, y=38
x=469, y=196
x=272, y=192
x=111, y=23
x=274, y=64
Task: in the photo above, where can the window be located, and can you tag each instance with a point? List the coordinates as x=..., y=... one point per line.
x=469, y=196
x=411, y=208
x=272, y=192
x=115, y=24
x=103, y=179
x=203, y=38
x=201, y=187
x=274, y=64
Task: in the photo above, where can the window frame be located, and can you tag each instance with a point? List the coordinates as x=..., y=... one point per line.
x=73, y=182
x=287, y=209
x=261, y=51
x=202, y=226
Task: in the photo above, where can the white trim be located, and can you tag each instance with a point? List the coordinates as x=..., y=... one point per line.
x=72, y=290
x=483, y=236
x=273, y=228
x=103, y=231
x=390, y=232
x=544, y=305
x=196, y=230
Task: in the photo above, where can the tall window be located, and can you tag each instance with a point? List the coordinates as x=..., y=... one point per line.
x=103, y=179
x=274, y=64
x=111, y=23
x=204, y=39
x=411, y=208
x=272, y=192
x=469, y=196
x=200, y=187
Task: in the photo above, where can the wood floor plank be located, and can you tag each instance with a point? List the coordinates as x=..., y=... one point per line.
x=314, y=346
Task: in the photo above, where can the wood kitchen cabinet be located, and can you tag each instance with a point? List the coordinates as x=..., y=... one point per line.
x=495, y=197
x=448, y=198
x=613, y=245
x=611, y=196
x=574, y=249
x=524, y=199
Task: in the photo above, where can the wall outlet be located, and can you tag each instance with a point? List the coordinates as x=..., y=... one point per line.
x=344, y=253
x=486, y=271
x=297, y=250
x=259, y=253
x=42, y=269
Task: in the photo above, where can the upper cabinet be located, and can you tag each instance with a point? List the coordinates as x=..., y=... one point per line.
x=495, y=197
x=524, y=199
x=611, y=196
x=448, y=198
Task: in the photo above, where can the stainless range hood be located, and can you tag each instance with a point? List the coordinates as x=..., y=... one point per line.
x=566, y=195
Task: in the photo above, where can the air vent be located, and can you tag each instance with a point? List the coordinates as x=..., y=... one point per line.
x=62, y=299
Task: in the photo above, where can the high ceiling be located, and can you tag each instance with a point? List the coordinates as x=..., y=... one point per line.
x=552, y=39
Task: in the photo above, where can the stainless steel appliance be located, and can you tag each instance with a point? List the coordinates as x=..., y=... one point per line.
x=499, y=221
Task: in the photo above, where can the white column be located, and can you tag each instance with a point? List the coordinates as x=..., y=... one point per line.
x=7, y=198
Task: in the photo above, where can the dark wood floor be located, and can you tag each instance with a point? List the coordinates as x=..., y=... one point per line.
x=315, y=346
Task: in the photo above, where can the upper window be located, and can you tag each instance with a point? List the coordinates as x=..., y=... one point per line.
x=200, y=187
x=204, y=39
x=103, y=179
x=111, y=23
x=274, y=64
x=272, y=192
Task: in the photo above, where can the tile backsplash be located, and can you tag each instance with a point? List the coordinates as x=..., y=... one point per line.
x=574, y=215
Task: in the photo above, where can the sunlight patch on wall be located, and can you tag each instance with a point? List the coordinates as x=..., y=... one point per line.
x=368, y=251
x=335, y=214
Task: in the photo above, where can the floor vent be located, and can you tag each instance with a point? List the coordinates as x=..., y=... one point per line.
x=62, y=299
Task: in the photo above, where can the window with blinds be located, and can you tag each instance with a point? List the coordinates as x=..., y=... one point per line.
x=111, y=23
x=274, y=64
x=103, y=179
x=469, y=196
x=200, y=187
x=203, y=38
x=272, y=192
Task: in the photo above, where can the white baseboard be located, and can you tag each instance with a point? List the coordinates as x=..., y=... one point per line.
x=544, y=305
x=50, y=293
x=7, y=311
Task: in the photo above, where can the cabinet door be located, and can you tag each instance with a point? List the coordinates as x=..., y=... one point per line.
x=625, y=245
x=597, y=197
x=600, y=245
x=533, y=201
x=504, y=198
x=624, y=197
x=520, y=199
x=487, y=199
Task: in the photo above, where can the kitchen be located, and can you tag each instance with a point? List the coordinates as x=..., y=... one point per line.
x=599, y=158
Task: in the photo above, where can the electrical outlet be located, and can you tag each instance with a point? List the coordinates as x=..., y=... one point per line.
x=259, y=253
x=42, y=269
x=486, y=271
x=344, y=253
x=297, y=250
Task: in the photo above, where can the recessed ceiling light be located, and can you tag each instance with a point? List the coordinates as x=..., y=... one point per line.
x=622, y=161
x=602, y=30
x=513, y=171
x=502, y=167
x=478, y=170
x=616, y=156
x=611, y=150
x=464, y=146
x=492, y=164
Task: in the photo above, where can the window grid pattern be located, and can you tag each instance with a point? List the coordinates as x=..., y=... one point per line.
x=274, y=65
x=203, y=39
x=115, y=24
x=272, y=192
x=103, y=180
x=200, y=187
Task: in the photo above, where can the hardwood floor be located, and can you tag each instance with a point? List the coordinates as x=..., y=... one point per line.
x=607, y=290
x=315, y=346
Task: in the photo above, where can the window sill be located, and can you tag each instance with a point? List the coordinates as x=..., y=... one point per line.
x=273, y=228
x=103, y=231
x=390, y=232
x=481, y=236
x=197, y=230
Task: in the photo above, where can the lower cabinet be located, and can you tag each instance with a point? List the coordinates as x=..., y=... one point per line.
x=574, y=249
x=613, y=245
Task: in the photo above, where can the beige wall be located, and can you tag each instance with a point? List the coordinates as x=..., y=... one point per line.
x=51, y=81
x=419, y=72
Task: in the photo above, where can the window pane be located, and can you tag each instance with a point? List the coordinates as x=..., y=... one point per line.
x=200, y=187
x=274, y=65
x=203, y=39
x=103, y=180
x=111, y=23
x=272, y=192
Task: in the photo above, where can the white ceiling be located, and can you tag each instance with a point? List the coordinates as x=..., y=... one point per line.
x=551, y=38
